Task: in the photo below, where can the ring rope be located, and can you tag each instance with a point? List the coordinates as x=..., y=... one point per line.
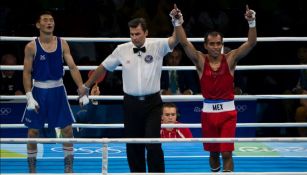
x=151, y=140
x=254, y=67
x=194, y=125
x=173, y=98
x=117, y=39
x=187, y=173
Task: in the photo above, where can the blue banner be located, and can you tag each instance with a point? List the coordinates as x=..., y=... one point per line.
x=12, y=112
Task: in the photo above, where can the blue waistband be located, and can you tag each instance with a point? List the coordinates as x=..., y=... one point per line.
x=215, y=101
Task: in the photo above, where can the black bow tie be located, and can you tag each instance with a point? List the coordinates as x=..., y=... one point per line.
x=137, y=49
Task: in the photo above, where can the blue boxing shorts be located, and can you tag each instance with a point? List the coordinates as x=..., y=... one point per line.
x=54, y=107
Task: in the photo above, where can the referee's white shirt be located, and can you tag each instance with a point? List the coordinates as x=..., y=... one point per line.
x=141, y=71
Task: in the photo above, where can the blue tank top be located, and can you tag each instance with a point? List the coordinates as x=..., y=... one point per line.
x=48, y=65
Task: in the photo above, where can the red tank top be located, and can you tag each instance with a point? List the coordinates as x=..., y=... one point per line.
x=219, y=84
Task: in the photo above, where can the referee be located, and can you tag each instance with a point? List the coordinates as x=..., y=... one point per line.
x=141, y=61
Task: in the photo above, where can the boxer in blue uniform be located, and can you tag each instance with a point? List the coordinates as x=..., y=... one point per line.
x=46, y=95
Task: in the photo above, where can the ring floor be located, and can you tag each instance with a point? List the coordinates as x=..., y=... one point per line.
x=179, y=157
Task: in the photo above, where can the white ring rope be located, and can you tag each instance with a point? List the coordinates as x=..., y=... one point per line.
x=151, y=140
x=185, y=173
x=186, y=125
x=168, y=98
x=254, y=67
x=104, y=39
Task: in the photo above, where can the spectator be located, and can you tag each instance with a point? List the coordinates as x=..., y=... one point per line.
x=170, y=115
x=178, y=82
x=160, y=21
x=301, y=111
x=293, y=109
x=210, y=19
x=11, y=81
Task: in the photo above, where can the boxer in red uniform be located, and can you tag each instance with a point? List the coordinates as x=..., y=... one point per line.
x=216, y=73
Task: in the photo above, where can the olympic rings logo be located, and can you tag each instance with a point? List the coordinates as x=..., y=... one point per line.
x=90, y=150
x=278, y=149
x=5, y=111
x=241, y=108
x=197, y=109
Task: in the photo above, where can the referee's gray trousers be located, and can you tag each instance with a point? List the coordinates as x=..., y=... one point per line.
x=143, y=120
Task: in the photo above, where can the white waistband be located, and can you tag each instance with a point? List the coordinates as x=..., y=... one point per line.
x=219, y=107
x=48, y=84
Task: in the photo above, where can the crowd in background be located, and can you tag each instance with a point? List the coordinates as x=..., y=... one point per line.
x=108, y=18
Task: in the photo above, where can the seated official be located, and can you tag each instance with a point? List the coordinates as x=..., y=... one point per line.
x=170, y=116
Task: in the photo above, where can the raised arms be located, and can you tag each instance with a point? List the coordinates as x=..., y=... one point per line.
x=246, y=47
x=188, y=47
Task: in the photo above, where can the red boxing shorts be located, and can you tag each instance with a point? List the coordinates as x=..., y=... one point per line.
x=219, y=124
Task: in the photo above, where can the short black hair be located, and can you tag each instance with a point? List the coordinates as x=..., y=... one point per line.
x=45, y=12
x=212, y=33
x=136, y=22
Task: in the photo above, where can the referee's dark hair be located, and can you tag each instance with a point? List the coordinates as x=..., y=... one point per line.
x=138, y=21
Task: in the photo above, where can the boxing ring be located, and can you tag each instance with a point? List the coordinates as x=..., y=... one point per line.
x=267, y=155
